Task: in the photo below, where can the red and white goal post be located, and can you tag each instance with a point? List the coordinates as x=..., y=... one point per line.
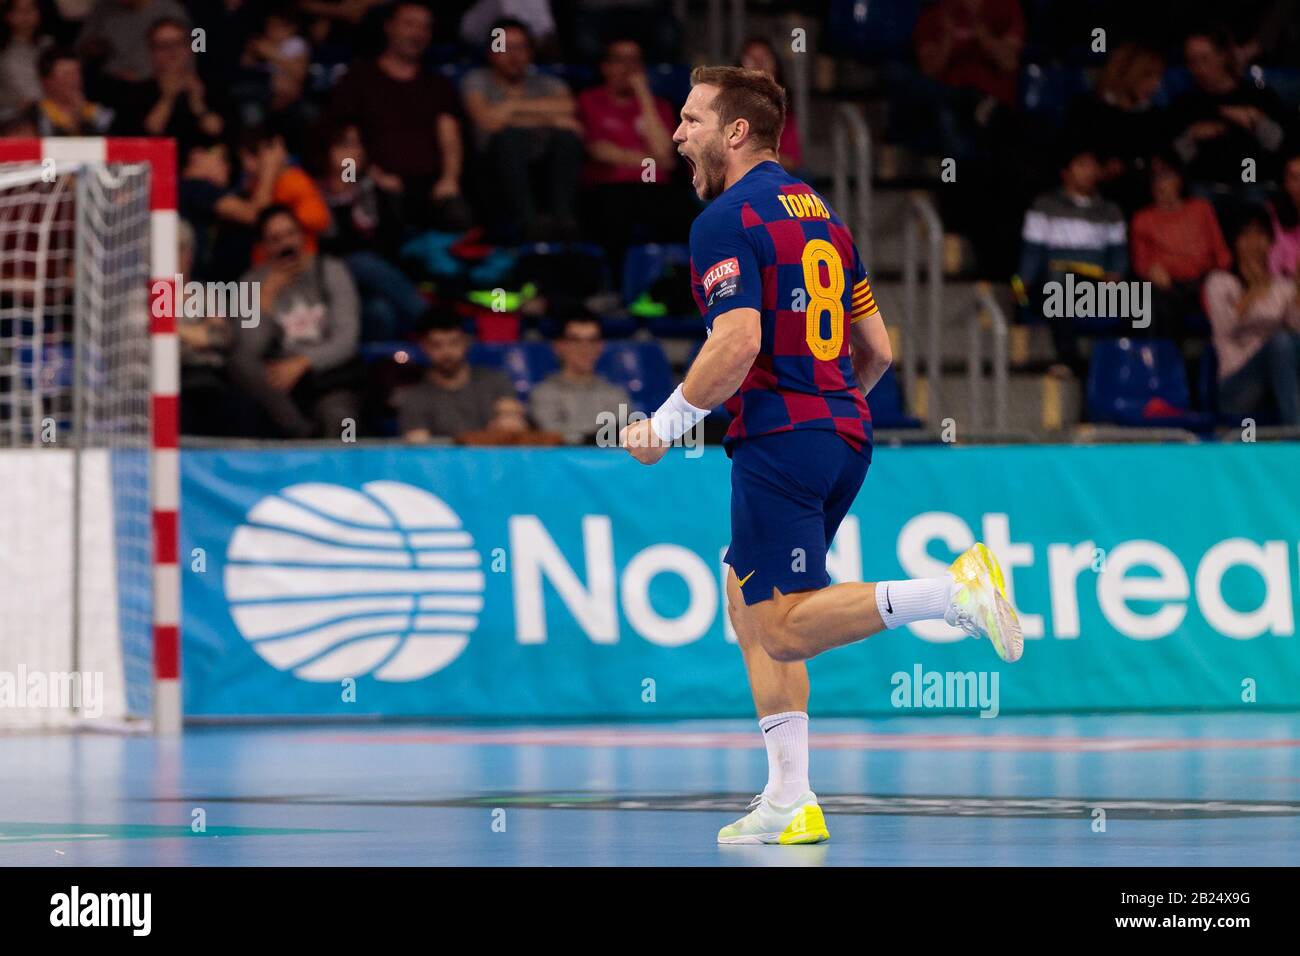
x=89, y=471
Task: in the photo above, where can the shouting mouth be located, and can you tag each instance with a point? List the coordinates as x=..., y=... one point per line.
x=691, y=163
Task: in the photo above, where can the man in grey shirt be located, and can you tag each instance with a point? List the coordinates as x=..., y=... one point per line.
x=454, y=396
x=117, y=31
x=570, y=400
x=524, y=121
x=300, y=361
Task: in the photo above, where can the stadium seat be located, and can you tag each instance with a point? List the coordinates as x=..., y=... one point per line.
x=886, y=404
x=643, y=267
x=872, y=30
x=1047, y=89
x=526, y=363
x=1142, y=384
x=671, y=81
x=644, y=264
x=641, y=368
x=1176, y=81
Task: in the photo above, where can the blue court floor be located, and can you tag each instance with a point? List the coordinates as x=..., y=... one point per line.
x=1168, y=790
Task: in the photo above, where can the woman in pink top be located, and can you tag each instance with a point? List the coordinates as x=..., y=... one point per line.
x=1256, y=328
x=1285, y=210
x=1175, y=243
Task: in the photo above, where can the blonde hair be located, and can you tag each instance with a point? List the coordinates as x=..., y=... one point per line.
x=1121, y=77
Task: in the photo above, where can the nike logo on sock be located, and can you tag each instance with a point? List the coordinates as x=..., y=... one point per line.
x=888, y=607
x=774, y=726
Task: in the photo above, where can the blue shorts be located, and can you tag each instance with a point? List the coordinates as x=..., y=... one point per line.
x=789, y=493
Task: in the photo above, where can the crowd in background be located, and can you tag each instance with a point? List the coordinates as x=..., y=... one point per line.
x=386, y=170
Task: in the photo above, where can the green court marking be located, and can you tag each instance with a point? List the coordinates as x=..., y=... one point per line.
x=60, y=832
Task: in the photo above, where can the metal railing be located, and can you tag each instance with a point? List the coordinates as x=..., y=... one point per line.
x=726, y=32
x=851, y=175
x=920, y=213
x=987, y=312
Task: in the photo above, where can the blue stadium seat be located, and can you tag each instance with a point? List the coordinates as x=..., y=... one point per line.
x=398, y=351
x=1176, y=81
x=1047, y=89
x=886, y=404
x=526, y=363
x=672, y=81
x=644, y=264
x=578, y=76
x=1125, y=375
x=1284, y=81
x=874, y=30
x=641, y=368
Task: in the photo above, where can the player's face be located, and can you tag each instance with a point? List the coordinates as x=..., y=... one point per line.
x=699, y=142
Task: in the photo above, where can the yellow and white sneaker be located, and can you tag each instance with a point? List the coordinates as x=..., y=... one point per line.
x=980, y=605
x=801, y=822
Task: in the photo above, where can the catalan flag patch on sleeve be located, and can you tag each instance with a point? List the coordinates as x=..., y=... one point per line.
x=864, y=303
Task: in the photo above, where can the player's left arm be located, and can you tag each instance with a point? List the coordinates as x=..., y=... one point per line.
x=870, y=350
x=869, y=347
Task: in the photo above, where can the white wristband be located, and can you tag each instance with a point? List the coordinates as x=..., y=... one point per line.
x=676, y=416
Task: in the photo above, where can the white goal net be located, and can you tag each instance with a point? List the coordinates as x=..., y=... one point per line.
x=76, y=535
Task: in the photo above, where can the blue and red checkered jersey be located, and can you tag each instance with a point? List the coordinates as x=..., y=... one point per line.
x=771, y=243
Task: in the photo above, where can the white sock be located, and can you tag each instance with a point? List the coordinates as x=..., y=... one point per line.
x=921, y=599
x=786, y=736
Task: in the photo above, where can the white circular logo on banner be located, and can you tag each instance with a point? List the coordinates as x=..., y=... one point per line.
x=331, y=582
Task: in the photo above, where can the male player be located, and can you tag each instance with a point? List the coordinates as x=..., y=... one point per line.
x=795, y=340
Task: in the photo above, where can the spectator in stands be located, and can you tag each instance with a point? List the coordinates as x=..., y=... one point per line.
x=21, y=42
x=204, y=186
x=1072, y=230
x=759, y=54
x=1122, y=122
x=454, y=396
x=364, y=233
x=571, y=400
x=1222, y=121
x=525, y=122
x=1285, y=213
x=409, y=120
x=209, y=404
x=279, y=56
x=627, y=128
x=115, y=36
x=484, y=15
x=1256, y=327
x=262, y=154
x=278, y=47
x=175, y=101
x=300, y=362
x=968, y=52
x=63, y=109
x=1176, y=243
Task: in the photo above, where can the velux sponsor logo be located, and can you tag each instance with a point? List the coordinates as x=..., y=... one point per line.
x=722, y=270
x=131, y=910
